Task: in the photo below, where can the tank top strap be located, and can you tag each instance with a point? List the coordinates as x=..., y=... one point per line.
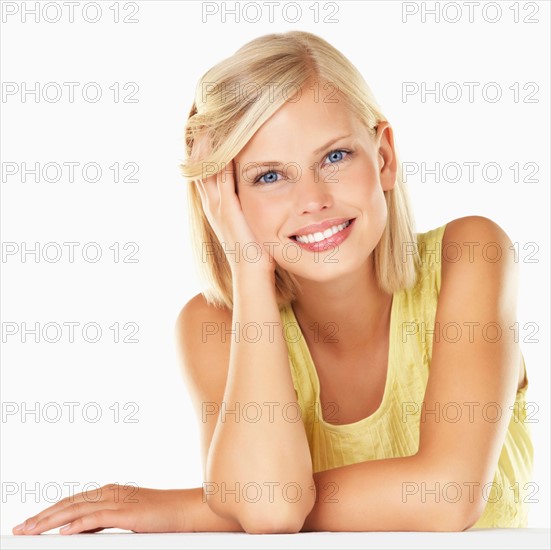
x=431, y=250
x=419, y=303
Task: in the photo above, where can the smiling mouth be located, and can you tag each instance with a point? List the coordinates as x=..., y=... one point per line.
x=320, y=236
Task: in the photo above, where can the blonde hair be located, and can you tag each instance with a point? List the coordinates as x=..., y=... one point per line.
x=281, y=61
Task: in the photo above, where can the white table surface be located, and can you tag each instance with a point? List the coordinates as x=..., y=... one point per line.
x=116, y=539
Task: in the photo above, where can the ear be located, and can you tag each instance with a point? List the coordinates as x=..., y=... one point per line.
x=386, y=155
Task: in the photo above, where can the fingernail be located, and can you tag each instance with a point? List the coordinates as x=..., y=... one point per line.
x=30, y=525
x=66, y=528
x=19, y=527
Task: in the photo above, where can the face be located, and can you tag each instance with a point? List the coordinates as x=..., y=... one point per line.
x=331, y=171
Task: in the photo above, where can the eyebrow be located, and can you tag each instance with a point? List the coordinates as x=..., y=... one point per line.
x=274, y=163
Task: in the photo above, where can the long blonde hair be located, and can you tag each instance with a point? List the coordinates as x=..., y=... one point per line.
x=256, y=79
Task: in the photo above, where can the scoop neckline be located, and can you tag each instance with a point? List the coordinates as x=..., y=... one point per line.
x=315, y=379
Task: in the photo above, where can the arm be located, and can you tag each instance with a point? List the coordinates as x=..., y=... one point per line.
x=381, y=495
x=206, y=366
x=145, y=510
x=132, y=508
x=225, y=373
x=394, y=494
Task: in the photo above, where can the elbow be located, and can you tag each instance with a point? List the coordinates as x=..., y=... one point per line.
x=473, y=514
x=287, y=520
x=267, y=515
x=456, y=520
x=284, y=516
x=454, y=511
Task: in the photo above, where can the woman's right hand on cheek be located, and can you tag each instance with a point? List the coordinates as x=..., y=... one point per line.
x=225, y=215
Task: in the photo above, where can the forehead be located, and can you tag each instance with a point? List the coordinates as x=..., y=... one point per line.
x=309, y=122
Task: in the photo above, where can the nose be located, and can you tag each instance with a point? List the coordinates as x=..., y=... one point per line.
x=311, y=192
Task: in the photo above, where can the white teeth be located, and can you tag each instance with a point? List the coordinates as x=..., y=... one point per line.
x=319, y=236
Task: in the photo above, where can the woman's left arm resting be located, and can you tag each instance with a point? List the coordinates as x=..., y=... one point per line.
x=466, y=409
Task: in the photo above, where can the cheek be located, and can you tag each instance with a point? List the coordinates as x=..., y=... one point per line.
x=376, y=203
x=363, y=184
x=377, y=213
x=366, y=191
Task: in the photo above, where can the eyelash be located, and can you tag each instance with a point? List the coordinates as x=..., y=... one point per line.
x=348, y=155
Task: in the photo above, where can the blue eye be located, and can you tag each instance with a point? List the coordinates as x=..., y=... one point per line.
x=272, y=173
x=337, y=152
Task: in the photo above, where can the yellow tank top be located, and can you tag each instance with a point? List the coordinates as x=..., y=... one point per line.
x=384, y=434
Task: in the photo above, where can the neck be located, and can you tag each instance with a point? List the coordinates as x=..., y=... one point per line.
x=346, y=316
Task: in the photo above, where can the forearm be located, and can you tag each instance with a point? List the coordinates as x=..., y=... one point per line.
x=395, y=494
x=258, y=440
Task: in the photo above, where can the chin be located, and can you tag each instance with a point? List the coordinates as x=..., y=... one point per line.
x=327, y=271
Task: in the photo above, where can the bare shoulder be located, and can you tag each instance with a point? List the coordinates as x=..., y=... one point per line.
x=198, y=309
x=198, y=321
x=478, y=245
x=204, y=345
x=487, y=268
x=477, y=231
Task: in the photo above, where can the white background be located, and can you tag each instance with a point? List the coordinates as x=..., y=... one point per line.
x=165, y=53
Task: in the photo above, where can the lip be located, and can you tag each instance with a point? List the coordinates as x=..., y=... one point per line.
x=321, y=227
x=331, y=242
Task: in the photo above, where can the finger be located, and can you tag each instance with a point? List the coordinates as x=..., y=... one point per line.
x=33, y=520
x=210, y=187
x=226, y=183
x=63, y=516
x=60, y=505
x=200, y=150
x=96, y=521
x=206, y=202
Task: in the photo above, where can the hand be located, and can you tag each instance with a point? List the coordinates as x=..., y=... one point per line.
x=225, y=215
x=120, y=506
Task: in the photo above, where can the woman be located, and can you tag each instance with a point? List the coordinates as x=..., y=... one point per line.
x=348, y=374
